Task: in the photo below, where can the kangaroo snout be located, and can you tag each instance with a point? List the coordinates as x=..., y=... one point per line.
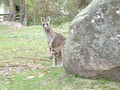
x=46, y=27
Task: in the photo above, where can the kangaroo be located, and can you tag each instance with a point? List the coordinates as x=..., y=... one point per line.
x=54, y=39
x=57, y=52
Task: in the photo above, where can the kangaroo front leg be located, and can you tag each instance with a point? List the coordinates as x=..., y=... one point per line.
x=54, y=61
x=51, y=42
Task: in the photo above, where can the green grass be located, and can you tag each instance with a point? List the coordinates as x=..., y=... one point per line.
x=29, y=42
x=24, y=50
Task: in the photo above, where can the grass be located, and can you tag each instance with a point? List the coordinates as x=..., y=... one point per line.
x=24, y=58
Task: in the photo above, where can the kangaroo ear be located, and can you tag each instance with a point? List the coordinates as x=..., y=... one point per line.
x=42, y=19
x=48, y=19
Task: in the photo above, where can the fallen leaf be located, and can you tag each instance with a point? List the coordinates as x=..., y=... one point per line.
x=30, y=77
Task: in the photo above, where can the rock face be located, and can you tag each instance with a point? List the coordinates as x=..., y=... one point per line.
x=12, y=24
x=93, y=46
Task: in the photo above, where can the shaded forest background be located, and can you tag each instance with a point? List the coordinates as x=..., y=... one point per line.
x=31, y=11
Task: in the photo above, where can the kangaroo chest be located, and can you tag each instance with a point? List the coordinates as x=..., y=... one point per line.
x=50, y=37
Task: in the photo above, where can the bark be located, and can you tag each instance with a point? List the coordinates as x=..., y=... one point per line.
x=25, y=16
x=23, y=12
x=12, y=10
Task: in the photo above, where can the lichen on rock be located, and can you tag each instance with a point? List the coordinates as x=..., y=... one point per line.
x=93, y=46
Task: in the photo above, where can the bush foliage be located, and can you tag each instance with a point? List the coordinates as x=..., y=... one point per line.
x=59, y=10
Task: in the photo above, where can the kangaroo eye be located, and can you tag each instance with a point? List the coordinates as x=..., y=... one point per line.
x=47, y=24
x=43, y=24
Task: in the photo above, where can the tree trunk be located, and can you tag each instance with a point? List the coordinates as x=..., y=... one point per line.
x=12, y=10
x=23, y=12
x=25, y=18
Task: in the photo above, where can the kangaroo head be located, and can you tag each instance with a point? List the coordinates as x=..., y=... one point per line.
x=46, y=23
x=55, y=52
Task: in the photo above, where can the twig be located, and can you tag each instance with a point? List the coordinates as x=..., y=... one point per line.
x=13, y=65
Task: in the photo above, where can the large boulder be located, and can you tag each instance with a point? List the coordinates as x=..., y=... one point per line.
x=93, y=45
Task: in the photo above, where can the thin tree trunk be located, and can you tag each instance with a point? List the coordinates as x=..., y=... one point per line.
x=25, y=18
x=23, y=12
x=12, y=10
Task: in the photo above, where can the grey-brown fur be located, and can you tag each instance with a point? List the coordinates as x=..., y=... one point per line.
x=54, y=39
x=58, y=51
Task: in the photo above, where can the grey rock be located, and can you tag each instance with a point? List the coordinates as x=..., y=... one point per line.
x=93, y=45
x=12, y=24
